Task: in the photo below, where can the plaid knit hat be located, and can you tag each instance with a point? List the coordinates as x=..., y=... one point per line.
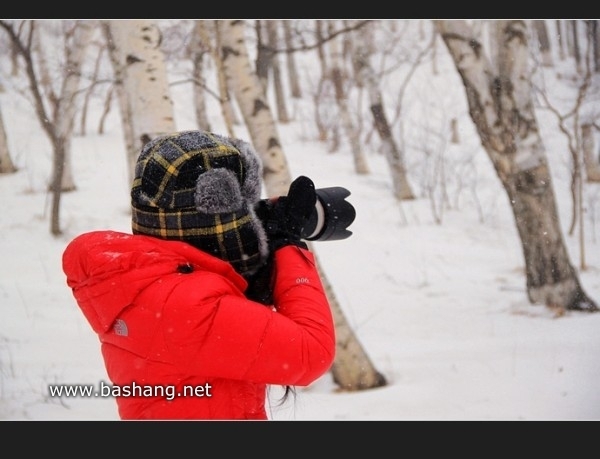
x=201, y=188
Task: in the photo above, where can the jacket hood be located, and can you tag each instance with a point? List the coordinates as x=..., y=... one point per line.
x=106, y=270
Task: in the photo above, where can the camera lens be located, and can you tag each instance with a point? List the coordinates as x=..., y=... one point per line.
x=331, y=216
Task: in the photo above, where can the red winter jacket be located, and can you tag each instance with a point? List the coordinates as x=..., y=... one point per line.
x=164, y=331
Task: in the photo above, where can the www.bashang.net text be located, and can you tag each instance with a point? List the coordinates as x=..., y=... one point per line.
x=169, y=392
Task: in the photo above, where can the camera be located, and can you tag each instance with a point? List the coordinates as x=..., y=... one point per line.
x=329, y=219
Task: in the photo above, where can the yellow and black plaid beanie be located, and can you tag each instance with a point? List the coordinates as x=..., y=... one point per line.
x=201, y=188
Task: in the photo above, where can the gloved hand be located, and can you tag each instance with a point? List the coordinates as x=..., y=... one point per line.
x=288, y=214
x=260, y=284
x=283, y=219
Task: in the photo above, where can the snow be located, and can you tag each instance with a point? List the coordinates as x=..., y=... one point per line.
x=440, y=308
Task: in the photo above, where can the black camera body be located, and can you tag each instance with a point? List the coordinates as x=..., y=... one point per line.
x=330, y=218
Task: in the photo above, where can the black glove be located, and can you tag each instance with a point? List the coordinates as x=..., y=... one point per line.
x=260, y=284
x=283, y=219
x=287, y=215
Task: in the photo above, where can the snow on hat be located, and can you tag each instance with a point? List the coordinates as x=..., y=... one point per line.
x=201, y=188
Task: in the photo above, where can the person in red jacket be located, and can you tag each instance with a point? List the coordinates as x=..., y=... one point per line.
x=207, y=303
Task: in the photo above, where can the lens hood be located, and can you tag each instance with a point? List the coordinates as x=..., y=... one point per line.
x=338, y=214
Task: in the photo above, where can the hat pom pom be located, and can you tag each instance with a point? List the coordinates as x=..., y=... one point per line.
x=218, y=191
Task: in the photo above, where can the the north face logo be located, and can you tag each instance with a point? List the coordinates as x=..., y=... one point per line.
x=120, y=328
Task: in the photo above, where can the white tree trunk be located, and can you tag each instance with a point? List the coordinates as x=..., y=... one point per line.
x=78, y=38
x=6, y=163
x=360, y=161
x=248, y=91
x=393, y=155
x=229, y=115
x=118, y=66
x=146, y=99
x=501, y=107
x=199, y=48
x=591, y=164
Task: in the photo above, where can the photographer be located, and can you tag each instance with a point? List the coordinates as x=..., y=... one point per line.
x=214, y=288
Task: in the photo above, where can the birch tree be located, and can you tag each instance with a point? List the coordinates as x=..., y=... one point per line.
x=57, y=123
x=360, y=161
x=559, y=38
x=280, y=100
x=591, y=164
x=501, y=107
x=393, y=155
x=541, y=32
x=226, y=103
x=352, y=369
x=118, y=64
x=6, y=163
x=91, y=87
x=199, y=48
x=145, y=100
x=248, y=91
x=574, y=34
x=594, y=34
x=290, y=61
x=267, y=65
